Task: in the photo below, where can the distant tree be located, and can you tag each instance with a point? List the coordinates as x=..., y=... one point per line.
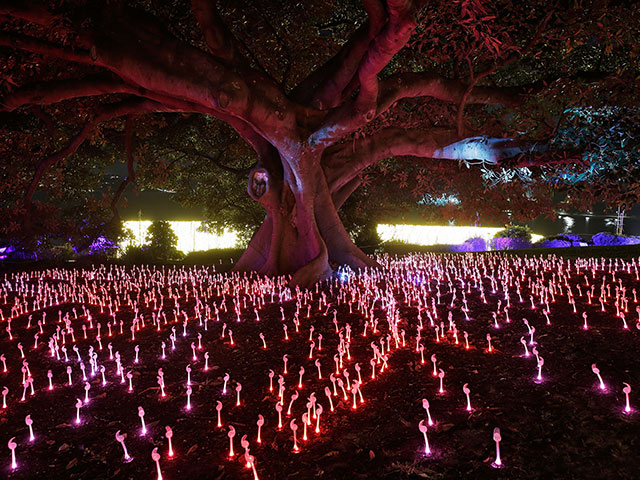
x=162, y=241
x=514, y=231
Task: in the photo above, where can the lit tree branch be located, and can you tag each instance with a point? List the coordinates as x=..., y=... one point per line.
x=30, y=11
x=218, y=37
x=413, y=85
x=47, y=93
x=328, y=83
x=352, y=115
x=343, y=162
x=43, y=47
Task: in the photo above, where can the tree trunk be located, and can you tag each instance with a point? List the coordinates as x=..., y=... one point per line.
x=302, y=232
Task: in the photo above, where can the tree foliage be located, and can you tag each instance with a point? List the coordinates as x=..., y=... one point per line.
x=162, y=241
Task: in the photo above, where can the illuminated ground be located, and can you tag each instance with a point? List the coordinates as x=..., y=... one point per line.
x=559, y=426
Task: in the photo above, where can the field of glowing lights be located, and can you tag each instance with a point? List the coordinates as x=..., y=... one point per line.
x=436, y=366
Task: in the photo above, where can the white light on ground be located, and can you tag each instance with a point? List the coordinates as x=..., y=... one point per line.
x=436, y=234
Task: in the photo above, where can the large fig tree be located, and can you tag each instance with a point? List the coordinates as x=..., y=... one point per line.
x=320, y=90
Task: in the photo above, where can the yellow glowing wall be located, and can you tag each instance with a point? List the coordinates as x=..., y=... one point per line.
x=435, y=234
x=190, y=239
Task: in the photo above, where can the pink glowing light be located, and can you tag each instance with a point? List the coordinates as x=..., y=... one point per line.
x=305, y=421
x=627, y=390
x=143, y=430
x=540, y=364
x=497, y=438
x=465, y=389
x=425, y=405
x=260, y=423
x=423, y=429
x=219, y=409
x=279, y=410
x=319, y=411
x=29, y=424
x=294, y=397
x=327, y=392
x=120, y=438
x=78, y=407
x=169, y=435
x=231, y=434
x=271, y=375
x=596, y=370
x=294, y=429
x=238, y=390
x=189, y=391
x=226, y=380
x=155, y=456
x=12, y=446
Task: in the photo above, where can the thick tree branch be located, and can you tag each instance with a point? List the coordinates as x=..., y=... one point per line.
x=423, y=84
x=216, y=34
x=46, y=118
x=341, y=195
x=164, y=65
x=393, y=37
x=352, y=115
x=324, y=88
x=43, y=47
x=31, y=11
x=47, y=93
x=343, y=162
x=214, y=159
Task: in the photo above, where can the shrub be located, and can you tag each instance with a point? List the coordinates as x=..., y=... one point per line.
x=475, y=244
x=554, y=243
x=515, y=231
x=508, y=243
x=603, y=238
x=137, y=254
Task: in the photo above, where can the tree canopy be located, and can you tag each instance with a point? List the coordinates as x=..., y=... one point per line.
x=467, y=108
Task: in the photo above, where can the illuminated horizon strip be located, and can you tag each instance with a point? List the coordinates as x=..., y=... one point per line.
x=190, y=239
x=437, y=234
